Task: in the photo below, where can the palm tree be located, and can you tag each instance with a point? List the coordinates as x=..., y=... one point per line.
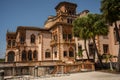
x=80, y=54
x=97, y=27
x=111, y=12
x=90, y=26
x=108, y=58
x=80, y=30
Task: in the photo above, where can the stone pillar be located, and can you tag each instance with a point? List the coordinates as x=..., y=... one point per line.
x=93, y=67
x=13, y=71
x=82, y=65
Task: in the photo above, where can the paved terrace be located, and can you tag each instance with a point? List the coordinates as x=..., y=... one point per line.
x=74, y=76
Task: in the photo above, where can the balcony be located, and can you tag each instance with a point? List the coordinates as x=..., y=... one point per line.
x=72, y=41
x=53, y=42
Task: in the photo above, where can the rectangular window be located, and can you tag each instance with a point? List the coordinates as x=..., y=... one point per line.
x=91, y=50
x=22, y=40
x=9, y=42
x=105, y=48
x=55, y=37
x=47, y=55
x=69, y=36
x=65, y=36
x=13, y=43
x=65, y=53
x=79, y=47
x=55, y=54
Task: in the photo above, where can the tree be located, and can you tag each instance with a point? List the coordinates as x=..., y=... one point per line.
x=80, y=30
x=97, y=27
x=90, y=26
x=111, y=12
x=108, y=58
x=80, y=53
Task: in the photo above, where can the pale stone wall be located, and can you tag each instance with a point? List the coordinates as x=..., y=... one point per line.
x=46, y=38
x=28, y=34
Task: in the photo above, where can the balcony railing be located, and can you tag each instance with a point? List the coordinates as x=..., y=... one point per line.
x=70, y=41
x=53, y=42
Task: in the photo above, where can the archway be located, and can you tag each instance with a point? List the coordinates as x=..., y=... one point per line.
x=24, y=55
x=11, y=56
x=35, y=54
x=29, y=55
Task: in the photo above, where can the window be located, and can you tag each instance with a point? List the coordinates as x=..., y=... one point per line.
x=105, y=48
x=13, y=43
x=32, y=38
x=24, y=55
x=79, y=47
x=65, y=54
x=55, y=37
x=70, y=12
x=71, y=53
x=35, y=54
x=116, y=34
x=65, y=36
x=69, y=21
x=9, y=42
x=55, y=54
x=69, y=36
x=22, y=40
x=47, y=54
x=30, y=55
x=11, y=56
x=91, y=50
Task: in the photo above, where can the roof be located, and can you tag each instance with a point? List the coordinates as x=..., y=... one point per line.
x=31, y=28
x=64, y=2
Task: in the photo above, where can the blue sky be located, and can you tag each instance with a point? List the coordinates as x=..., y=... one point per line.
x=15, y=13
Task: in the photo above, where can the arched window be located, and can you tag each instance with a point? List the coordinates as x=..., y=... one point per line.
x=32, y=38
x=47, y=53
x=71, y=52
x=24, y=55
x=11, y=56
x=29, y=55
x=35, y=54
x=9, y=42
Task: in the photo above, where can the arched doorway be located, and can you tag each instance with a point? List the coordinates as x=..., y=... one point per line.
x=11, y=56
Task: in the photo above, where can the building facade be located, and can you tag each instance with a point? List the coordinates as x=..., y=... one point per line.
x=54, y=43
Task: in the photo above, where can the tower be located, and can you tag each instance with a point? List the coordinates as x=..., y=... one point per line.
x=63, y=43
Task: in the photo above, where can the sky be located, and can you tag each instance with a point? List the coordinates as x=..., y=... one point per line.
x=14, y=13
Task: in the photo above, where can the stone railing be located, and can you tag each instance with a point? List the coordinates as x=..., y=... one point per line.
x=72, y=41
x=30, y=63
x=52, y=42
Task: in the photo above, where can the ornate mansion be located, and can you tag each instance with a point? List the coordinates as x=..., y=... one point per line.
x=53, y=49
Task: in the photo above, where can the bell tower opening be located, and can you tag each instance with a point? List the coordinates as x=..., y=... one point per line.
x=66, y=8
